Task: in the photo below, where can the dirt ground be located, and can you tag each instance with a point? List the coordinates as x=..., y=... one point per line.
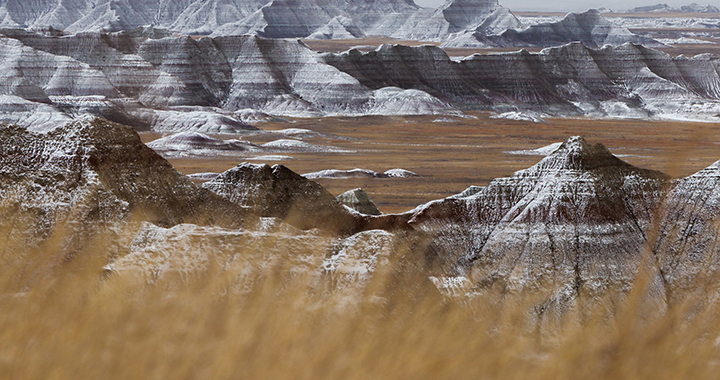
x=452, y=154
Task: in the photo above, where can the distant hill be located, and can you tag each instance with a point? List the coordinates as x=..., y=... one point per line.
x=690, y=8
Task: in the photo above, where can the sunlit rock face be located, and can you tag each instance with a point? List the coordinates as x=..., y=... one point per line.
x=275, y=19
x=359, y=201
x=687, y=238
x=456, y=23
x=576, y=223
x=626, y=81
x=90, y=176
x=589, y=28
x=153, y=81
x=279, y=192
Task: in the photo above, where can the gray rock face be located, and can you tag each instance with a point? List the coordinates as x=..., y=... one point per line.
x=165, y=85
x=575, y=223
x=92, y=174
x=360, y=173
x=190, y=16
x=589, y=28
x=279, y=192
x=274, y=19
x=690, y=8
x=359, y=201
x=178, y=84
x=627, y=80
x=688, y=234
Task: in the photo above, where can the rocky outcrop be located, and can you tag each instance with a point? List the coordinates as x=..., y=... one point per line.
x=627, y=81
x=359, y=201
x=198, y=144
x=164, y=85
x=190, y=16
x=360, y=173
x=279, y=192
x=273, y=19
x=589, y=28
x=688, y=235
x=342, y=266
x=690, y=8
x=577, y=223
x=93, y=175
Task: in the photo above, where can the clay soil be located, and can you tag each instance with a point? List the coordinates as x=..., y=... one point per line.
x=454, y=153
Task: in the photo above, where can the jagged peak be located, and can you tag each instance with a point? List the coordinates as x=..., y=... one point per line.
x=577, y=154
x=247, y=168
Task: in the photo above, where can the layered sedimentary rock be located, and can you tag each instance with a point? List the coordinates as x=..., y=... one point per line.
x=461, y=22
x=279, y=192
x=688, y=235
x=341, y=266
x=360, y=173
x=275, y=19
x=92, y=174
x=575, y=223
x=190, y=16
x=628, y=80
x=589, y=28
x=209, y=85
x=690, y=8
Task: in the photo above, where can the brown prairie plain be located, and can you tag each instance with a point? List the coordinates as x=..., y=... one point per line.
x=453, y=153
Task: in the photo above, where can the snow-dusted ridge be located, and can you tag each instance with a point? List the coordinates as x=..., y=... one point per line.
x=163, y=85
x=360, y=173
x=581, y=222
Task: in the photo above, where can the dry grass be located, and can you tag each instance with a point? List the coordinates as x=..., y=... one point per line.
x=451, y=156
x=74, y=324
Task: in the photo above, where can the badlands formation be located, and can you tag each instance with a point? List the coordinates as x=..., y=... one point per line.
x=220, y=84
x=581, y=222
x=80, y=78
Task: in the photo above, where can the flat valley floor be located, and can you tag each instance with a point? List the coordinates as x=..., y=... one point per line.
x=453, y=153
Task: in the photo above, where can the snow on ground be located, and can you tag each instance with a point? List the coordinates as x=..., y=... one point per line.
x=207, y=176
x=360, y=173
x=521, y=116
x=684, y=41
x=284, y=145
x=271, y=158
x=542, y=151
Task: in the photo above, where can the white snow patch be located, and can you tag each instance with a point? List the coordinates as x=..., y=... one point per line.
x=300, y=146
x=360, y=173
x=271, y=158
x=520, y=116
x=542, y=151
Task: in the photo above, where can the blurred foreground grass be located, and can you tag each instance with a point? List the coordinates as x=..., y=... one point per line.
x=65, y=319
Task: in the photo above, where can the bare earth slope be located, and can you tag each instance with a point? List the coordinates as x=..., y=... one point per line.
x=208, y=85
x=576, y=223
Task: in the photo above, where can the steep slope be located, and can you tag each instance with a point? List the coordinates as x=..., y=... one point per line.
x=627, y=80
x=148, y=82
x=359, y=201
x=177, y=84
x=589, y=28
x=269, y=18
x=279, y=192
x=92, y=174
x=664, y=8
x=325, y=19
x=190, y=16
x=576, y=223
x=687, y=238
